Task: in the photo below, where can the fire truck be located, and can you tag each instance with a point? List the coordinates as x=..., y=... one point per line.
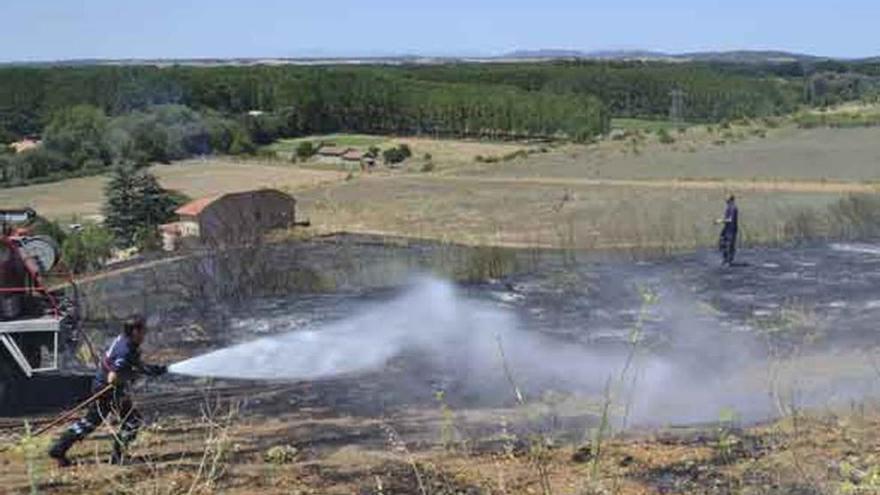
x=39, y=321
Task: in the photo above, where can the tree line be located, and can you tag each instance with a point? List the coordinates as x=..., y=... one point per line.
x=93, y=116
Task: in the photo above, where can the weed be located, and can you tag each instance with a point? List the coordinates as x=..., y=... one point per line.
x=398, y=446
x=727, y=441
x=665, y=137
x=281, y=454
x=448, y=431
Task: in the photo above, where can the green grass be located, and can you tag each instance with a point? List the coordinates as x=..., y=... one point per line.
x=352, y=140
x=645, y=125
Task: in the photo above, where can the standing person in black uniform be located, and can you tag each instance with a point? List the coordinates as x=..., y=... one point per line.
x=729, y=231
x=120, y=365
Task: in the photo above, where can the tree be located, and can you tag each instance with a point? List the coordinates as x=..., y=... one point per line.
x=305, y=150
x=155, y=204
x=135, y=201
x=120, y=197
x=88, y=249
x=395, y=155
x=80, y=133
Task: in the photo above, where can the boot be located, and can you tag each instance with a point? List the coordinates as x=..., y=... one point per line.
x=117, y=458
x=59, y=449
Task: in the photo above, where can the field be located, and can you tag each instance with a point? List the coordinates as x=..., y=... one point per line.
x=644, y=124
x=606, y=195
x=829, y=453
x=363, y=435
x=344, y=140
x=83, y=197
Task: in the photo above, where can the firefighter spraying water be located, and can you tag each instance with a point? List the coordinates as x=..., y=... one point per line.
x=120, y=364
x=39, y=319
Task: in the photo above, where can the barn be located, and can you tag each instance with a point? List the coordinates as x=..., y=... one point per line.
x=230, y=219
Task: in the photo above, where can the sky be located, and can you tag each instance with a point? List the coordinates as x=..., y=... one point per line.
x=75, y=29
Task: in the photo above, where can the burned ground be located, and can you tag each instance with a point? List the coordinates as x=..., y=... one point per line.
x=737, y=337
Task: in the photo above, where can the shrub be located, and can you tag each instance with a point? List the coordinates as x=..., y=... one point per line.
x=396, y=155
x=664, y=137
x=405, y=150
x=514, y=155
x=306, y=150
x=88, y=249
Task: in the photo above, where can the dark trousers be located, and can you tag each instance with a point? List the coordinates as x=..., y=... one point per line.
x=727, y=246
x=115, y=405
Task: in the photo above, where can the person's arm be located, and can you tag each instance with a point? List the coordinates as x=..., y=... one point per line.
x=149, y=369
x=154, y=369
x=728, y=217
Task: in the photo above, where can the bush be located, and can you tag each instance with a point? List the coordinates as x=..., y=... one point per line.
x=514, y=155
x=396, y=155
x=88, y=249
x=306, y=150
x=664, y=137
x=42, y=226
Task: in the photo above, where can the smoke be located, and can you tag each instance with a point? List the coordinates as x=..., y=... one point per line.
x=699, y=370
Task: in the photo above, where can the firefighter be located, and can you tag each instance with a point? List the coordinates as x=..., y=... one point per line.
x=727, y=239
x=120, y=365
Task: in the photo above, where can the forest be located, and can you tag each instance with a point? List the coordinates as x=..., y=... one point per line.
x=90, y=117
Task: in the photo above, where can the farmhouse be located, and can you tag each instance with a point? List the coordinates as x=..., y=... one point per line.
x=332, y=154
x=230, y=219
x=353, y=156
x=25, y=145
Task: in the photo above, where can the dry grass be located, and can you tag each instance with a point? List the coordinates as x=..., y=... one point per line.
x=832, y=452
x=787, y=154
x=586, y=197
x=196, y=178
x=525, y=213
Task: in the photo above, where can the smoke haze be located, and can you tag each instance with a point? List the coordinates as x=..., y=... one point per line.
x=696, y=370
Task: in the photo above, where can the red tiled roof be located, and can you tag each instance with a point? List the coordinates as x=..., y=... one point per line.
x=332, y=151
x=195, y=207
x=353, y=155
x=24, y=145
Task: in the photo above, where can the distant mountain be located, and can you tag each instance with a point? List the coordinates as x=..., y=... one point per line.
x=545, y=53
x=735, y=56
x=749, y=56
x=626, y=54
x=599, y=55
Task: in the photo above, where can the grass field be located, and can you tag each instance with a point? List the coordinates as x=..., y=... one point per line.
x=521, y=213
x=346, y=140
x=195, y=178
x=798, y=155
x=603, y=196
x=301, y=452
x=599, y=196
x=645, y=125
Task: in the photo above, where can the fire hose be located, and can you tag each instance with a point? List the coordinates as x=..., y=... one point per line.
x=71, y=412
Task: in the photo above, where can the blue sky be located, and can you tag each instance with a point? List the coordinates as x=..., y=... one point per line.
x=65, y=29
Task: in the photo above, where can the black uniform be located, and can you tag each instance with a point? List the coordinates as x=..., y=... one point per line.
x=124, y=358
x=727, y=240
